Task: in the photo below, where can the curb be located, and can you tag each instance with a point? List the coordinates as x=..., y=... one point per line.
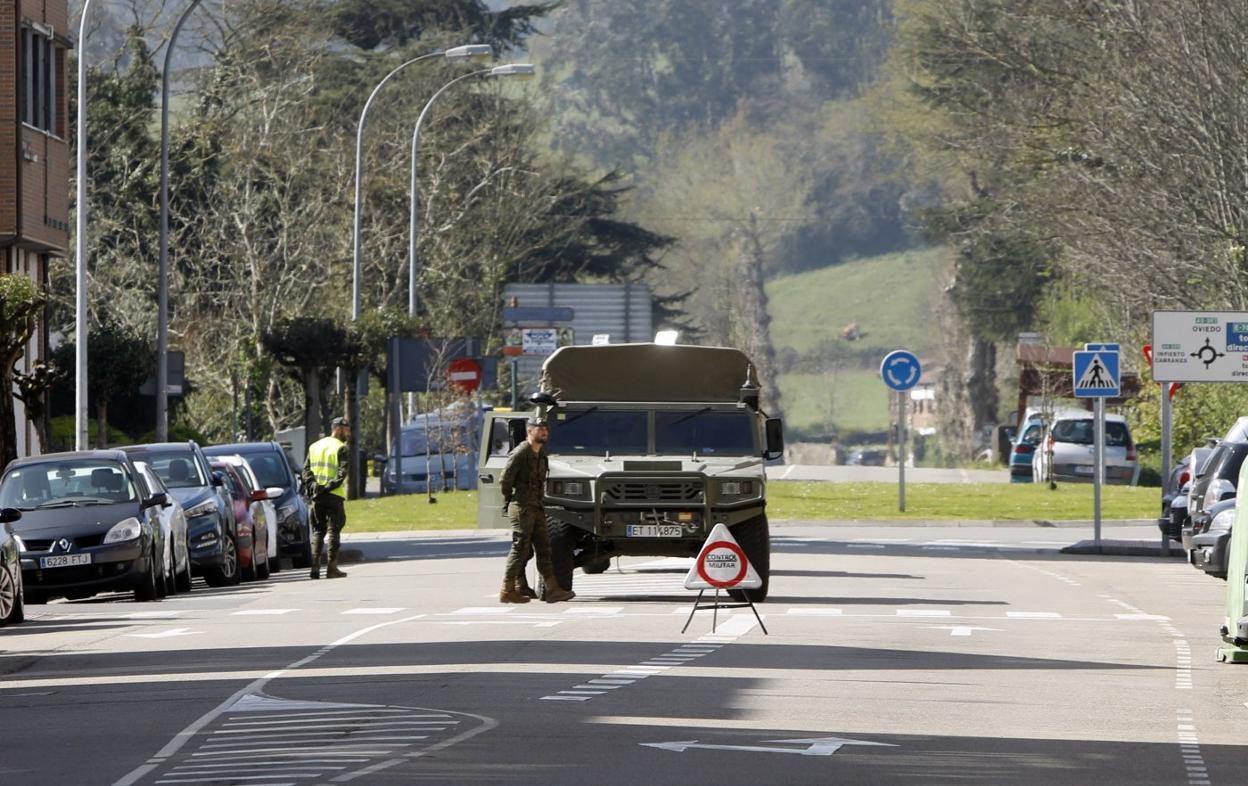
x=1124, y=548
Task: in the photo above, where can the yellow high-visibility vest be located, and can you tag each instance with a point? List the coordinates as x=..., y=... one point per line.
x=323, y=459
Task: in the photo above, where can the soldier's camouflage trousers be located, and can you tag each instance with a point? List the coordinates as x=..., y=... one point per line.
x=528, y=534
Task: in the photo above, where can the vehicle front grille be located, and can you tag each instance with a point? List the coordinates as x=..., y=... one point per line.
x=81, y=542
x=683, y=491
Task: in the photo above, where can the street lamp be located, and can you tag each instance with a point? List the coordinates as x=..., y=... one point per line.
x=162, y=322
x=459, y=52
x=80, y=254
x=511, y=69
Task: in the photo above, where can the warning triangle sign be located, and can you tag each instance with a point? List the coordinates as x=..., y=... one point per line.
x=1096, y=376
x=722, y=564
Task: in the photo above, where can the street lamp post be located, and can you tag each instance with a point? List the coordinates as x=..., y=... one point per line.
x=459, y=52
x=162, y=327
x=80, y=242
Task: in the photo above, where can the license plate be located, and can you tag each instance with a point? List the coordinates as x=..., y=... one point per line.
x=64, y=560
x=653, y=531
x=1083, y=470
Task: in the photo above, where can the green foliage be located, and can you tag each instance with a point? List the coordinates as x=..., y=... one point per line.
x=369, y=24
x=1199, y=412
x=61, y=430
x=118, y=359
x=310, y=343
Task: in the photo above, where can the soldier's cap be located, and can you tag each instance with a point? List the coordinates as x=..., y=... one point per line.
x=341, y=422
x=537, y=420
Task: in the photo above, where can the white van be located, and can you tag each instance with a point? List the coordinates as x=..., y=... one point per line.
x=1068, y=445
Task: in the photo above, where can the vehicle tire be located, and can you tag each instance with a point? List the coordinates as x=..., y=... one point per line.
x=226, y=574
x=754, y=538
x=148, y=588
x=251, y=572
x=562, y=543
x=304, y=560
x=183, y=580
x=12, y=609
x=262, y=569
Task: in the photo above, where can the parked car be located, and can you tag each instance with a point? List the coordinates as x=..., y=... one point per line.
x=1177, y=487
x=438, y=450
x=273, y=469
x=12, y=604
x=1068, y=448
x=1023, y=450
x=89, y=524
x=209, y=513
x=1218, y=482
x=867, y=457
x=177, y=554
x=258, y=544
x=1211, y=542
x=1195, y=488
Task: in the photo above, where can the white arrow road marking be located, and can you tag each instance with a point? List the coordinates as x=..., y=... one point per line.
x=815, y=746
x=164, y=634
x=960, y=630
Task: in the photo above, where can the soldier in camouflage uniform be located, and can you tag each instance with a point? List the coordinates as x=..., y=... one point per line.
x=523, y=486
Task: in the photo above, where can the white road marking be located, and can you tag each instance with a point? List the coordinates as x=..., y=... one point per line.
x=483, y=610
x=960, y=630
x=151, y=615
x=1033, y=615
x=261, y=612
x=164, y=634
x=923, y=612
x=593, y=610
x=819, y=746
x=1139, y=615
x=374, y=610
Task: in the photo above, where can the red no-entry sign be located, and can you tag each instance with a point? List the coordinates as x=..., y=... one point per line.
x=464, y=374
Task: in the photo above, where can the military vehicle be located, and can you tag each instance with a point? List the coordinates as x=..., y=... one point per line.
x=650, y=447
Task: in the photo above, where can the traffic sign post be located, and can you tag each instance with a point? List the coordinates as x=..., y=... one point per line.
x=721, y=565
x=1097, y=375
x=901, y=371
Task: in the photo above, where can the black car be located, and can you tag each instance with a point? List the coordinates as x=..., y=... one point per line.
x=1216, y=481
x=1211, y=542
x=89, y=524
x=12, y=606
x=210, y=524
x=272, y=468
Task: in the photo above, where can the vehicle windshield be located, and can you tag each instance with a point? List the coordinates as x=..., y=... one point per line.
x=441, y=436
x=705, y=433
x=1032, y=435
x=67, y=483
x=270, y=469
x=596, y=432
x=177, y=468
x=1081, y=432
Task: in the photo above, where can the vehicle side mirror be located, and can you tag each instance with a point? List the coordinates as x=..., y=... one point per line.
x=159, y=499
x=774, y=429
x=218, y=479
x=258, y=495
x=274, y=492
x=9, y=515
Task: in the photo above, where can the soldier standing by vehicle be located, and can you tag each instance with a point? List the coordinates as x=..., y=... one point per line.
x=523, y=486
x=324, y=476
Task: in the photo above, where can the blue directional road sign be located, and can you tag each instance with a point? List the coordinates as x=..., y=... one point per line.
x=901, y=370
x=1096, y=374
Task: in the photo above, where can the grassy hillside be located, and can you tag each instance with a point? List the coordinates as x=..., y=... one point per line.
x=831, y=385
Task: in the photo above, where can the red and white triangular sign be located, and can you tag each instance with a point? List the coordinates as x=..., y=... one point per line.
x=722, y=564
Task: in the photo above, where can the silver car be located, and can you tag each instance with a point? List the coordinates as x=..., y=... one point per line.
x=1068, y=447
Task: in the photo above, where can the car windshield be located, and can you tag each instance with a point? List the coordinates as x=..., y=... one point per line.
x=1081, y=432
x=66, y=483
x=705, y=433
x=270, y=469
x=597, y=432
x=177, y=468
x=1032, y=434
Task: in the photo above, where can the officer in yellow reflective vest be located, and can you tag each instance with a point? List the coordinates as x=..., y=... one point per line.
x=325, y=476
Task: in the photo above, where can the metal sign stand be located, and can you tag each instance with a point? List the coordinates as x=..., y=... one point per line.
x=699, y=606
x=1098, y=473
x=901, y=450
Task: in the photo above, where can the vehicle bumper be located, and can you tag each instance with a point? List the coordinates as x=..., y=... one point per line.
x=1082, y=473
x=1209, y=552
x=609, y=535
x=118, y=567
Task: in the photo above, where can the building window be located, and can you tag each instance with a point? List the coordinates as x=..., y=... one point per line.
x=42, y=63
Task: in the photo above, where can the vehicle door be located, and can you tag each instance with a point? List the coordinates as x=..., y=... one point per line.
x=500, y=433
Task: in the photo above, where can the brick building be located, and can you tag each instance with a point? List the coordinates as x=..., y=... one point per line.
x=34, y=154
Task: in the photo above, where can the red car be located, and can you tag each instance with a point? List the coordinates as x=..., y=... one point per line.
x=253, y=528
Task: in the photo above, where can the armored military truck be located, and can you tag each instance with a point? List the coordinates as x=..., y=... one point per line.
x=650, y=447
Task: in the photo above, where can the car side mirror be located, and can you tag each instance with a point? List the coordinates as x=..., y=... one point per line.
x=9, y=515
x=274, y=492
x=774, y=429
x=258, y=495
x=159, y=499
x=218, y=479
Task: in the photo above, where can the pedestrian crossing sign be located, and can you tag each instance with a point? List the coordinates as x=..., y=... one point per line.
x=1096, y=374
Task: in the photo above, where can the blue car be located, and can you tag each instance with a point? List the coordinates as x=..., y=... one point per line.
x=1023, y=448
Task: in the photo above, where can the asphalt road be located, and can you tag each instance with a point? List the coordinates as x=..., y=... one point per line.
x=898, y=655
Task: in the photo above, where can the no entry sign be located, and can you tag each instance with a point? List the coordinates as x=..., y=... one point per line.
x=722, y=564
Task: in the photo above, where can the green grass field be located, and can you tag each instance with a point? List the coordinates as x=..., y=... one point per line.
x=852, y=399
x=817, y=501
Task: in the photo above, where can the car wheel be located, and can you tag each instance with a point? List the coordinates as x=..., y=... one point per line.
x=561, y=556
x=251, y=572
x=226, y=573
x=183, y=580
x=262, y=568
x=12, y=610
x=754, y=538
x=147, y=589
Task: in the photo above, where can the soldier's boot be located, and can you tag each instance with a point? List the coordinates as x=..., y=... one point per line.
x=332, y=571
x=555, y=593
x=315, y=572
x=522, y=585
x=510, y=593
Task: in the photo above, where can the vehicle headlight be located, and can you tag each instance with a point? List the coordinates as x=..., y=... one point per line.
x=1216, y=490
x=569, y=488
x=286, y=512
x=1223, y=521
x=203, y=509
x=736, y=488
x=122, y=531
